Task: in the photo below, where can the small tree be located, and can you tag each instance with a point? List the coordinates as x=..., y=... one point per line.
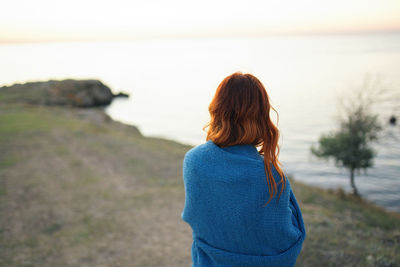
x=350, y=145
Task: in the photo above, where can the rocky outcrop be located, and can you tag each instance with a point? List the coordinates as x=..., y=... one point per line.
x=78, y=93
x=121, y=94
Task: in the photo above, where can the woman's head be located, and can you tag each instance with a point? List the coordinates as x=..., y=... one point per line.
x=240, y=115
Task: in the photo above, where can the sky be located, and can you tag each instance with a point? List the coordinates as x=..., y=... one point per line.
x=75, y=20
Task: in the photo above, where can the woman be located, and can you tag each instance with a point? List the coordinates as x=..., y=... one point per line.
x=238, y=202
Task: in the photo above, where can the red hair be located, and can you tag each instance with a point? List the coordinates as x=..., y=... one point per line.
x=240, y=115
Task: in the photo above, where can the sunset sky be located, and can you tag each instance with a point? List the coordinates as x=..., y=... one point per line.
x=74, y=20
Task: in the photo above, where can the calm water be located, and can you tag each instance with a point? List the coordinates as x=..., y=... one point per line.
x=172, y=82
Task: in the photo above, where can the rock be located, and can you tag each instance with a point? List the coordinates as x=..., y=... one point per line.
x=392, y=120
x=78, y=93
x=121, y=94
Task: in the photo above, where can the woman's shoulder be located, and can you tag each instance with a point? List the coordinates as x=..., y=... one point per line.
x=200, y=159
x=200, y=151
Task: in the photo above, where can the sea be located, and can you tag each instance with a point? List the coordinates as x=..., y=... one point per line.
x=308, y=78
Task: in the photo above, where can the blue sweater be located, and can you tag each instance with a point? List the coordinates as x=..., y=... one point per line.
x=225, y=195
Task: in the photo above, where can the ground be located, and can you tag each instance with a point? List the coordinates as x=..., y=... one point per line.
x=78, y=189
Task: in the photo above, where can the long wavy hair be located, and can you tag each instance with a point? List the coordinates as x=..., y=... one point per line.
x=240, y=115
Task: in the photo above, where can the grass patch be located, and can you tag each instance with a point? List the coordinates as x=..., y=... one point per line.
x=22, y=121
x=52, y=228
x=3, y=191
x=8, y=161
x=379, y=218
x=88, y=230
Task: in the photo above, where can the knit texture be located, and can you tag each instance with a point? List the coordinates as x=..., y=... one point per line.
x=226, y=193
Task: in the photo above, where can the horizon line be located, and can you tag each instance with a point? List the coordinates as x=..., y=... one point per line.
x=199, y=36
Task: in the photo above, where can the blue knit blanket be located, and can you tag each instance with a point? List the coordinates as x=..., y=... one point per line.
x=225, y=195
